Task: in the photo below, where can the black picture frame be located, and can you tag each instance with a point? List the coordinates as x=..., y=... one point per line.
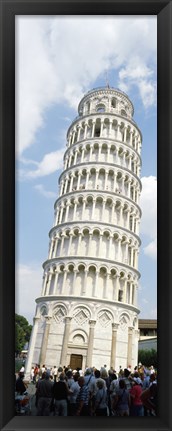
x=8, y=11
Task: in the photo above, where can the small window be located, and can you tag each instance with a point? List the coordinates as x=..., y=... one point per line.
x=97, y=132
x=100, y=108
x=123, y=112
x=113, y=102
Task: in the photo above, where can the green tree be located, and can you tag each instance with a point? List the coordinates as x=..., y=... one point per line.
x=22, y=332
x=148, y=357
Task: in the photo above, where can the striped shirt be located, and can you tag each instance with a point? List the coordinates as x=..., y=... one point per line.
x=83, y=395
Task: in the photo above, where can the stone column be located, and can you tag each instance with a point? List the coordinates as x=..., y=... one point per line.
x=125, y=290
x=106, y=178
x=79, y=179
x=29, y=360
x=71, y=182
x=79, y=242
x=130, y=346
x=48, y=283
x=93, y=129
x=101, y=128
x=90, y=342
x=93, y=208
x=96, y=284
x=45, y=340
x=75, y=272
x=100, y=245
x=75, y=157
x=45, y=277
x=61, y=214
x=70, y=242
x=70, y=158
x=75, y=207
x=65, y=272
x=55, y=246
x=91, y=150
x=85, y=282
x=65, y=341
x=79, y=131
x=56, y=216
x=61, y=187
x=82, y=154
x=85, y=131
x=62, y=242
x=66, y=184
x=55, y=281
x=89, y=243
x=87, y=178
x=131, y=292
x=113, y=345
x=107, y=276
x=125, y=133
x=51, y=248
x=96, y=179
x=110, y=127
x=116, y=287
x=67, y=211
x=83, y=208
x=108, y=153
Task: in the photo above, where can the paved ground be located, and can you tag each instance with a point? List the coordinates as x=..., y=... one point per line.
x=31, y=391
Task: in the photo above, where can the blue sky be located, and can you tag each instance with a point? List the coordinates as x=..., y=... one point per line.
x=59, y=59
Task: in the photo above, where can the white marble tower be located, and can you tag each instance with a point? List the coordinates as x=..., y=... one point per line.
x=87, y=313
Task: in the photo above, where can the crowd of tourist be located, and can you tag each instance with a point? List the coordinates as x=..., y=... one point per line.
x=92, y=392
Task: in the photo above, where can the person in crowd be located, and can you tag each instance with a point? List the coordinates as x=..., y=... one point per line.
x=54, y=373
x=20, y=385
x=36, y=373
x=125, y=377
x=149, y=399
x=44, y=393
x=146, y=380
x=136, y=408
x=32, y=375
x=89, y=377
x=104, y=375
x=121, y=400
x=101, y=401
x=93, y=389
x=72, y=382
x=112, y=391
x=60, y=392
x=82, y=399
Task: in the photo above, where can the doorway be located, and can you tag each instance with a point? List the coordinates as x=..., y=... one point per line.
x=76, y=361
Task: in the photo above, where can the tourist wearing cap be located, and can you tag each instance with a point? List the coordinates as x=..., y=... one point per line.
x=44, y=392
x=136, y=408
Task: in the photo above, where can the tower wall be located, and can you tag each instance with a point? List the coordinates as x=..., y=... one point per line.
x=88, y=303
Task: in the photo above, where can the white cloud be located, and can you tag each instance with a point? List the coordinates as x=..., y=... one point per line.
x=151, y=249
x=50, y=163
x=148, y=203
x=27, y=289
x=56, y=62
x=139, y=74
x=44, y=192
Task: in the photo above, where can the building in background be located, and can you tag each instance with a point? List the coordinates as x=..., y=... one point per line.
x=87, y=312
x=148, y=334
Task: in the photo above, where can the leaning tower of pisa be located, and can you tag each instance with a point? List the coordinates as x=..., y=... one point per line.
x=87, y=312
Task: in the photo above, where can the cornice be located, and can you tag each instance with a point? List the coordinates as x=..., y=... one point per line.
x=97, y=224
x=83, y=299
x=102, y=165
x=96, y=193
x=90, y=261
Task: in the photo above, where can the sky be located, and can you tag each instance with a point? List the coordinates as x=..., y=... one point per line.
x=59, y=59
